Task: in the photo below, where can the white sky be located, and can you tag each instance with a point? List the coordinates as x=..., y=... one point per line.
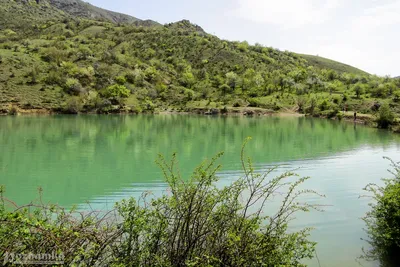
x=362, y=33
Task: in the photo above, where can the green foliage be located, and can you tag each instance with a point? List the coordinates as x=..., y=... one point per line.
x=115, y=91
x=73, y=86
x=188, y=79
x=73, y=105
x=385, y=117
x=54, y=55
x=383, y=221
x=301, y=103
x=396, y=96
x=84, y=52
x=358, y=89
x=199, y=224
x=121, y=80
x=232, y=79
x=42, y=229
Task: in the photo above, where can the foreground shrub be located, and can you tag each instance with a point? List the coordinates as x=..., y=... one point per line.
x=42, y=229
x=383, y=221
x=195, y=224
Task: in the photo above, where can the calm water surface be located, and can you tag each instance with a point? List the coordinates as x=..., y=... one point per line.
x=102, y=159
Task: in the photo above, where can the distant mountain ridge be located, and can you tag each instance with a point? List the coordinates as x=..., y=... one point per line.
x=85, y=10
x=74, y=8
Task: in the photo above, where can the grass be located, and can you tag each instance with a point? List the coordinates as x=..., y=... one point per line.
x=92, y=30
x=15, y=87
x=325, y=63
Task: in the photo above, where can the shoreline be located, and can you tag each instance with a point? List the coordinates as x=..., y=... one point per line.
x=362, y=119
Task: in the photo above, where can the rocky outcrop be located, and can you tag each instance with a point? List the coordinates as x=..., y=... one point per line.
x=85, y=10
x=81, y=9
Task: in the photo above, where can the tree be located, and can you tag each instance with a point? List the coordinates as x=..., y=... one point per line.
x=381, y=91
x=225, y=89
x=383, y=221
x=115, y=91
x=187, y=79
x=84, y=52
x=53, y=54
x=73, y=105
x=313, y=105
x=385, y=116
x=231, y=79
x=258, y=80
x=396, y=96
x=358, y=89
x=243, y=46
x=121, y=80
x=73, y=86
x=301, y=103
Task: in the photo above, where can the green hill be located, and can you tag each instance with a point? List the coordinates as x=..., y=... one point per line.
x=51, y=60
x=325, y=63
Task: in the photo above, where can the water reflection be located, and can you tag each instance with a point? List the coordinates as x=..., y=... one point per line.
x=102, y=159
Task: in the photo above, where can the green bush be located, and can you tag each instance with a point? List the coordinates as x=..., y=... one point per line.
x=73, y=86
x=324, y=105
x=383, y=221
x=396, y=96
x=301, y=102
x=73, y=105
x=121, y=80
x=54, y=77
x=13, y=111
x=199, y=224
x=115, y=91
x=385, y=117
x=54, y=55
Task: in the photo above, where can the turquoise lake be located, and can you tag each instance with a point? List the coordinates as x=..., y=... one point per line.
x=95, y=161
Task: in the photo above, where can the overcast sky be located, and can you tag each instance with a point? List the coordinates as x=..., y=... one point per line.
x=362, y=33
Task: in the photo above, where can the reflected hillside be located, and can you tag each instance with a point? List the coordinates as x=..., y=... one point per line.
x=75, y=159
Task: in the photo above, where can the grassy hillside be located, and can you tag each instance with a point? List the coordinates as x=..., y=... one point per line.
x=63, y=63
x=325, y=63
x=27, y=15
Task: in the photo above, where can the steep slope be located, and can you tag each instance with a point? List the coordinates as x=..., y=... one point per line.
x=24, y=14
x=82, y=9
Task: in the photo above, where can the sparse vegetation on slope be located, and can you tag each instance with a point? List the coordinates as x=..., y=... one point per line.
x=325, y=63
